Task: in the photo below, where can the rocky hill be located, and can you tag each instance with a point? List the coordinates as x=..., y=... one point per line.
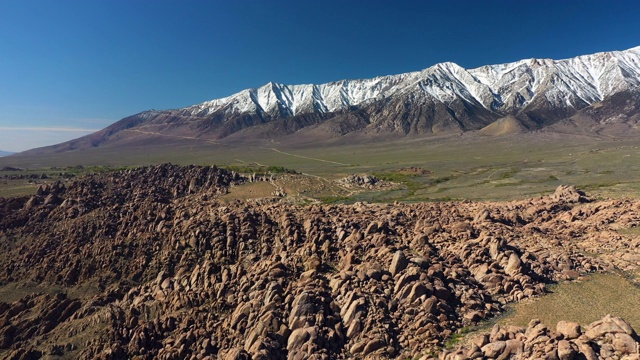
x=531, y=94
x=108, y=267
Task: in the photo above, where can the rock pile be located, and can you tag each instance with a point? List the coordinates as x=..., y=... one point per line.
x=608, y=338
x=178, y=274
x=365, y=181
x=570, y=194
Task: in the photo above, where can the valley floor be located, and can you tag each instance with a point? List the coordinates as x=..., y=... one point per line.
x=465, y=167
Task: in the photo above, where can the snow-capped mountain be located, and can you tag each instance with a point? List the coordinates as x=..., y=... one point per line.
x=520, y=96
x=503, y=88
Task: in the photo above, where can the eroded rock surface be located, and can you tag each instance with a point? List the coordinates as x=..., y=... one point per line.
x=178, y=274
x=608, y=338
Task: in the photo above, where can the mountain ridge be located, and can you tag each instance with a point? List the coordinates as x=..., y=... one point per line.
x=384, y=86
x=444, y=98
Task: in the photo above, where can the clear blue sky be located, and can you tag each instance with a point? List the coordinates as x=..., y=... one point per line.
x=68, y=66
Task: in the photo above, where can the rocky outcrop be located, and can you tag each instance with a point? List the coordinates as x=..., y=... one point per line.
x=608, y=338
x=175, y=274
x=570, y=194
x=364, y=181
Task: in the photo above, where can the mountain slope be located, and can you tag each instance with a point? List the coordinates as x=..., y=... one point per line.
x=506, y=125
x=617, y=115
x=443, y=98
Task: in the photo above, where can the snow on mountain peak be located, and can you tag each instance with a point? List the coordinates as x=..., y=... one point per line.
x=502, y=88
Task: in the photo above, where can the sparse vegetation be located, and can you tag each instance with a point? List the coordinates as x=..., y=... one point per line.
x=456, y=337
x=632, y=231
x=334, y=199
x=476, y=169
x=396, y=177
x=259, y=169
x=280, y=170
x=441, y=180
x=583, y=301
x=94, y=169
x=411, y=181
x=508, y=174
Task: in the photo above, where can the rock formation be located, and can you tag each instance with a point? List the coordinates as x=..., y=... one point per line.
x=147, y=263
x=608, y=338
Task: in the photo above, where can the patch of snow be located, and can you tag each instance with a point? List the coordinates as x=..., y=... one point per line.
x=501, y=88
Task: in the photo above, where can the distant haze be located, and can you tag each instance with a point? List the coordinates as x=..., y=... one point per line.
x=21, y=139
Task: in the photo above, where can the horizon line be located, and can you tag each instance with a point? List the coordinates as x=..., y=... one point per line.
x=35, y=128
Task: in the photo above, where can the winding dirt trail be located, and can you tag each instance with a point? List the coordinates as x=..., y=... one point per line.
x=172, y=136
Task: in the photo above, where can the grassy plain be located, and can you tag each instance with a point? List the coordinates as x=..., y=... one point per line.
x=470, y=167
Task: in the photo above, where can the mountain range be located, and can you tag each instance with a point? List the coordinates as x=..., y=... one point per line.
x=5, y=153
x=591, y=93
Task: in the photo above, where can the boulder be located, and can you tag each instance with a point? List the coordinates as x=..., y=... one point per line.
x=398, y=263
x=569, y=329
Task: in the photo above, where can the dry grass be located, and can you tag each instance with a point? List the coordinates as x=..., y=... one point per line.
x=11, y=188
x=466, y=167
x=15, y=291
x=632, y=231
x=298, y=187
x=249, y=191
x=583, y=301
